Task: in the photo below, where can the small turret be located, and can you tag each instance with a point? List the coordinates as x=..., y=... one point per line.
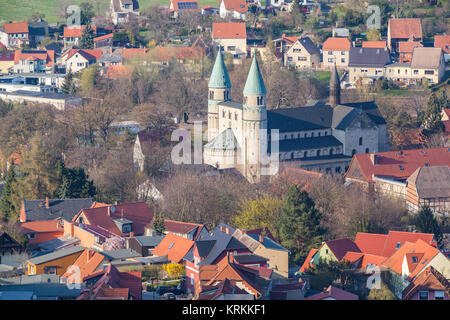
x=335, y=88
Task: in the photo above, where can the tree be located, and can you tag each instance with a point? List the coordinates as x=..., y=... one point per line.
x=174, y=270
x=7, y=206
x=158, y=225
x=259, y=213
x=299, y=224
x=432, y=116
x=68, y=86
x=87, y=38
x=89, y=79
x=427, y=223
x=73, y=183
x=373, y=35
x=36, y=16
x=381, y=294
x=87, y=13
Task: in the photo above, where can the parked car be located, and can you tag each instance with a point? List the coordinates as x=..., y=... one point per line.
x=168, y=296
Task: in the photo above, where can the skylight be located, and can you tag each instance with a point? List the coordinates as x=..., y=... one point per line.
x=171, y=245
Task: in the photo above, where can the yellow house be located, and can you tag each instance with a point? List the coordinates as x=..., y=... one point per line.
x=6, y=62
x=56, y=262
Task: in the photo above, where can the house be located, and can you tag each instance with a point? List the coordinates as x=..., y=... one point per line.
x=34, y=61
x=300, y=177
x=59, y=100
x=405, y=50
x=336, y=51
x=236, y=9
x=403, y=30
x=111, y=59
x=51, y=209
x=91, y=236
x=302, y=54
x=367, y=64
x=119, y=71
x=340, y=32
x=138, y=54
x=112, y=284
x=122, y=257
x=42, y=230
x=14, y=34
x=37, y=31
x=283, y=44
x=121, y=11
x=188, y=230
x=104, y=41
x=56, y=262
x=277, y=257
x=6, y=62
x=374, y=44
x=292, y=289
x=224, y=290
x=87, y=263
x=144, y=245
x=333, y=293
x=78, y=59
x=11, y=252
x=409, y=261
x=363, y=261
x=72, y=35
x=38, y=291
x=189, y=56
x=231, y=37
x=125, y=219
x=429, y=285
x=387, y=172
x=178, y=6
x=443, y=42
x=429, y=186
x=174, y=247
x=145, y=141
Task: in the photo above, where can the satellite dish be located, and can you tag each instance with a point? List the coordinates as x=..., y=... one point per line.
x=113, y=209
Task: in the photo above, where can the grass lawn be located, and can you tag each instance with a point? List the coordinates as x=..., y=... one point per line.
x=401, y=92
x=324, y=76
x=19, y=11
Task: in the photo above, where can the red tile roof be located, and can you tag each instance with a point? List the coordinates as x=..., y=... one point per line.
x=16, y=27
x=385, y=244
x=106, y=36
x=335, y=293
x=374, y=44
x=308, y=260
x=408, y=46
x=429, y=279
x=48, y=56
x=175, y=247
x=75, y=32
x=235, y=5
x=398, y=164
x=220, y=288
x=137, y=212
x=301, y=177
x=290, y=39
x=89, y=54
x=229, y=30
x=404, y=28
x=339, y=247
x=179, y=53
x=42, y=226
x=119, y=71
x=442, y=41
x=173, y=226
x=6, y=56
x=446, y=127
x=337, y=44
x=176, y=3
x=88, y=263
x=129, y=53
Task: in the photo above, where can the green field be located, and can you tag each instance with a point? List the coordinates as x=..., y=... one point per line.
x=19, y=11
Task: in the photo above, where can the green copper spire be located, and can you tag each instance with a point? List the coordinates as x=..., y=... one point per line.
x=219, y=75
x=255, y=83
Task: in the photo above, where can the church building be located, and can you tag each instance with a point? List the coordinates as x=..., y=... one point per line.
x=321, y=136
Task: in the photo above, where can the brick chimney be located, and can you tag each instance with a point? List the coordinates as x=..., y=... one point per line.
x=227, y=231
x=47, y=202
x=131, y=234
x=261, y=238
x=109, y=211
x=222, y=229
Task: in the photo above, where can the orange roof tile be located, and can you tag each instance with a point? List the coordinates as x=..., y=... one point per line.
x=235, y=5
x=442, y=41
x=429, y=279
x=106, y=36
x=337, y=44
x=301, y=177
x=75, y=32
x=129, y=53
x=175, y=247
x=16, y=27
x=42, y=226
x=176, y=7
x=374, y=44
x=308, y=260
x=47, y=55
x=167, y=53
x=408, y=46
x=119, y=71
x=99, y=204
x=6, y=56
x=229, y=30
x=88, y=262
x=405, y=28
x=90, y=54
x=335, y=293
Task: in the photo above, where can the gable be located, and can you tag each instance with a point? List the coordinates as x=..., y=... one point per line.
x=354, y=171
x=362, y=121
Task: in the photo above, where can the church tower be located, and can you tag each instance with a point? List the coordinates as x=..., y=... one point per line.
x=219, y=91
x=254, y=118
x=335, y=88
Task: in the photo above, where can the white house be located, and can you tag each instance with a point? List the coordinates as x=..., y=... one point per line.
x=236, y=9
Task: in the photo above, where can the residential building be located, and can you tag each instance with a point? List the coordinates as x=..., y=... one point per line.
x=333, y=293
x=72, y=35
x=145, y=141
x=89, y=236
x=224, y=290
x=14, y=34
x=34, y=61
x=302, y=54
x=38, y=291
x=136, y=54
x=236, y=9
x=37, y=31
x=189, y=56
x=429, y=186
x=403, y=30
x=283, y=44
x=6, y=62
x=188, y=230
x=367, y=64
x=443, y=42
x=51, y=209
x=122, y=11
x=374, y=44
x=405, y=50
x=11, y=252
x=174, y=247
x=387, y=172
x=178, y=6
x=78, y=59
x=56, y=262
x=321, y=136
x=59, y=100
x=336, y=51
x=144, y=245
x=429, y=285
x=42, y=230
x=231, y=37
x=86, y=264
x=104, y=41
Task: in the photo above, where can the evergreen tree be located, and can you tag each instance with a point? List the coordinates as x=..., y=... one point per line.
x=7, y=206
x=299, y=224
x=432, y=116
x=427, y=223
x=158, y=224
x=68, y=86
x=87, y=38
x=73, y=183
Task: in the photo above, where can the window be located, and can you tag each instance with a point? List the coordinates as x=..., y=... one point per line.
x=338, y=170
x=331, y=151
x=353, y=152
x=211, y=95
x=343, y=60
x=330, y=59
x=235, y=116
x=50, y=270
x=31, y=236
x=416, y=72
x=429, y=72
x=318, y=153
x=414, y=259
x=397, y=245
x=305, y=154
x=360, y=141
x=423, y=295
x=290, y=59
x=439, y=295
x=223, y=114
x=231, y=48
x=330, y=52
x=312, y=134
x=342, y=53
x=192, y=279
x=171, y=245
x=302, y=59
x=367, y=150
